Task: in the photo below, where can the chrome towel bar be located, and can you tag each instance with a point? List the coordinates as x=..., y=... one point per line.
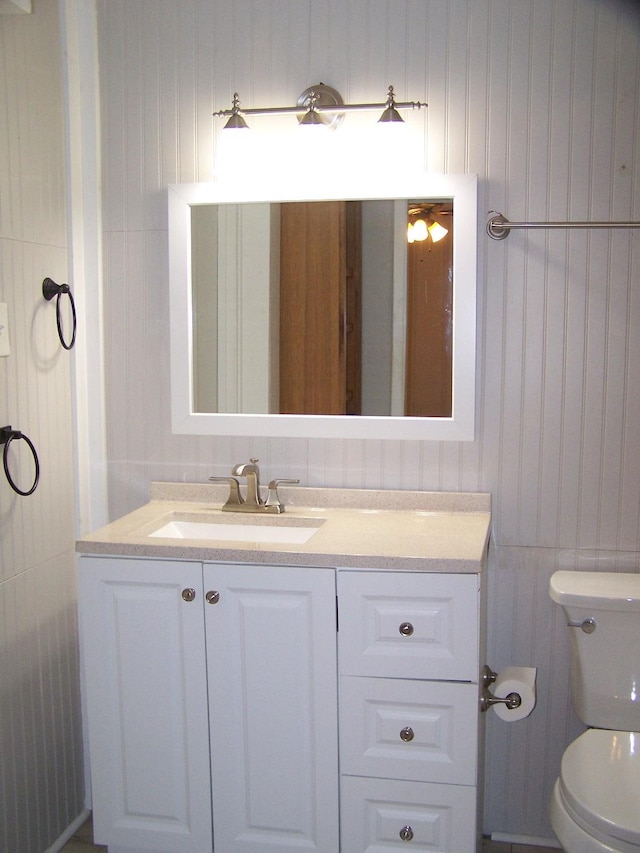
x=498, y=226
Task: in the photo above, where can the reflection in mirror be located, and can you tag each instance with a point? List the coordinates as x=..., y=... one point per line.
x=336, y=291
x=290, y=315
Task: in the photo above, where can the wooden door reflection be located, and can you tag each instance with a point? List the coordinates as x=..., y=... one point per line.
x=320, y=326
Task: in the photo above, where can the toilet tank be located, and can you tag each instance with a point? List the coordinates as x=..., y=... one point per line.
x=604, y=664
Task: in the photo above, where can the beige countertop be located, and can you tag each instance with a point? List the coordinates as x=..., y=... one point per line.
x=368, y=529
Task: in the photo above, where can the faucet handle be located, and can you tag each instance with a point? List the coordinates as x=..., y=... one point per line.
x=273, y=498
x=235, y=498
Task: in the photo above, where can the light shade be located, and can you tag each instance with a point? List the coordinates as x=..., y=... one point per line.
x=420, y=232
x=437, y=231
x=236, y=121
x=312, y=118
x=390, y=114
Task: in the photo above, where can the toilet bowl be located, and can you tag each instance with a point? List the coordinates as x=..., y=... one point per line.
x=595, y=807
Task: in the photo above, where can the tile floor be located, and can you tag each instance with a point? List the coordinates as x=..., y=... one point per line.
x=82, y=842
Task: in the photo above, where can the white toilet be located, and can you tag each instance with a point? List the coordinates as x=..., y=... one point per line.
x=595, y=805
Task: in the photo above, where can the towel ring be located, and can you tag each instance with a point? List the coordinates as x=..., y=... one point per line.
x=51, y=289
x=7, y=435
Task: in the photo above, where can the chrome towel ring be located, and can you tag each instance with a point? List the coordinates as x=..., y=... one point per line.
x=51, y=289
x=7, y=435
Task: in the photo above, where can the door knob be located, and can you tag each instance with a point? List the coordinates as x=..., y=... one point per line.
x=188, y=594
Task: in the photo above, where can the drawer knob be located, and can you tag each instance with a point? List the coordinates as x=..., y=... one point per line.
x=188, y=594
x=407, y=734
x=406, y=833
x=213, y=596
x=406, y=629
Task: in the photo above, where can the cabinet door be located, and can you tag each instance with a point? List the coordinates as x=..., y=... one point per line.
x=145, y=675
x=271, y=653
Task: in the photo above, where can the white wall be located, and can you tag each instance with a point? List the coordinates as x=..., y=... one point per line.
x=41, y=769
x=541, y=99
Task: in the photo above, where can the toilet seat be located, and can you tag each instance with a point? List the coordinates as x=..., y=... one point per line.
x=599, y=786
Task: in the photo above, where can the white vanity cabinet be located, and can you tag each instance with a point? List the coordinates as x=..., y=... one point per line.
x=262, y=708
x=409, y=663
x=211, y=705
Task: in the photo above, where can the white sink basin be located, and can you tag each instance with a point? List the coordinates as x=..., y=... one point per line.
x=229, y=532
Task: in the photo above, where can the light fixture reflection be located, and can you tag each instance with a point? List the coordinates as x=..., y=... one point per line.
x=436, y=231
x=424, y=223
x=420, y=231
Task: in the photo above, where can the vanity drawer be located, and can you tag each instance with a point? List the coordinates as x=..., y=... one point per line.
x=408, y=625
x=415, y=730
x=383, y=814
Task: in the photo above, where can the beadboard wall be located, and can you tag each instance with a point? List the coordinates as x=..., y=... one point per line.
x=41, y=767
x=540, y=98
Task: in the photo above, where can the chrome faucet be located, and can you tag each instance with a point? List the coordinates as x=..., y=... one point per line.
x=251, y=471
x=251, y=502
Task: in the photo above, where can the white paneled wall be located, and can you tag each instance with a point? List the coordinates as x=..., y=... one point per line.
x=41, y=769
x=540, y=98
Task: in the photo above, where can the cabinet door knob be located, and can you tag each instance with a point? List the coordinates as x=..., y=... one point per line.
x=406, y=629
x=406, y=734
x=406, y=833
x=213, y=596
x=188, y=594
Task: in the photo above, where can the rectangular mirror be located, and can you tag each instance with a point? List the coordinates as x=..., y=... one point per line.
x=312, y=314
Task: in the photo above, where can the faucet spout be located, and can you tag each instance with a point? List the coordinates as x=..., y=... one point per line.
x=251, y=471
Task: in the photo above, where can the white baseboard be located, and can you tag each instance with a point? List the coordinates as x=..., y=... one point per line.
x=531, y=840
x=69, y=832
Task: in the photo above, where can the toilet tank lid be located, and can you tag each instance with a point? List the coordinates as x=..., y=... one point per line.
x=606, y=590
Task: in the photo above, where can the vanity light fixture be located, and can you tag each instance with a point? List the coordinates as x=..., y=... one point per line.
x=319, y=105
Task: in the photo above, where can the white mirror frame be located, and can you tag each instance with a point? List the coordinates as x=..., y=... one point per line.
x=462, y=189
